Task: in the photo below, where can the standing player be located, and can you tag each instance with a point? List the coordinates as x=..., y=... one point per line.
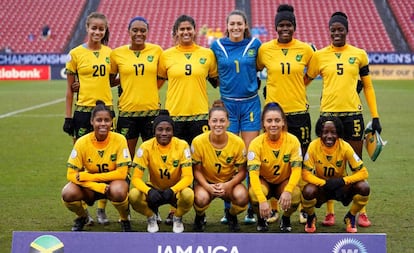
x=187, y=66
x=325, y=172
x=341, y=65
x=97, y=168
x=90, y=65
x=136, y=64
x=168, y=161
x=219, y=165
x=285, y=59
x=274, y=164
x=236, y=55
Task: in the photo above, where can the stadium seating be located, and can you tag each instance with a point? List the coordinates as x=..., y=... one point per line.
x=404, y=13
x=365, y=26
x=20, y=18
x=161, y=15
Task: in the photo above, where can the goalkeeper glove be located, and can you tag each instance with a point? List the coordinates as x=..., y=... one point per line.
x=376, y=126
x=68, y=126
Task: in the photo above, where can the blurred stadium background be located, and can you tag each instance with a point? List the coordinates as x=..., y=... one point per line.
x=384, y=28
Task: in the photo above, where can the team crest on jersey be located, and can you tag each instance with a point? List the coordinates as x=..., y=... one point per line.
x=175, y=163
x=203, y=60
x=251, y=52
x=339, y=163
x=113, y=157
x=286, y=158
x=352, y=60
x=299, y=57
x=229, y=159
x=150, y=58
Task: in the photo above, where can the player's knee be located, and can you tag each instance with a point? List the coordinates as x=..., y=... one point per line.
x=362, y=187
x=309, y=191
x=186, y=197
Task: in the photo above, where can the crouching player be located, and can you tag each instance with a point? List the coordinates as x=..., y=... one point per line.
x=97, y=169
x=325, y=172
x=169, y=165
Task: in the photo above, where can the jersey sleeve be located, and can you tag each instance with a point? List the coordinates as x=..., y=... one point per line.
x=296, y=165
x=253, y=163
x=359, y=171
x=186, y=171
x=140, y=164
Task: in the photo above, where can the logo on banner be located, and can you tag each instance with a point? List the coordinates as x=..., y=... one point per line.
x=46, y=243
x=349, y=245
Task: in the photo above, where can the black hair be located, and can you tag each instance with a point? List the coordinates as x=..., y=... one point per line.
x=138, y=18
x=246, y=33
x=98, y=15
x=163, y=115
x=100, y=106
x=273, y=106
x=285, y=12
x=339, y=17
x=179, y=20
x=336, y=121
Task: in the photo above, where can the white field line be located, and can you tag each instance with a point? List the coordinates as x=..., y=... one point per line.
x=31, y=108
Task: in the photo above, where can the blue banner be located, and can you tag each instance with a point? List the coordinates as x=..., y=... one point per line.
x=108, y=242
x=33, y=59
x=391, y=58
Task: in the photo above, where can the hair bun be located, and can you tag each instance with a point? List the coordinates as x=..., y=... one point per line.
x=339, y=13
x=164, y=112
x=218, y=103
x=285, y=7
x=100, y=102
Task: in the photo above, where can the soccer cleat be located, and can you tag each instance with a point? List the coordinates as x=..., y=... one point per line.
x=90, y=221
x=178, y=226
x=249, y=218
x=125, y=226
x=169, y=220
x=329, y=220
x=262, y=225
x=101, y=216
x=198, y=225
x=232, y=222
x=273, y=217
x=303, y=217
x=349, y=220
x=363, y=220
x=310, y=226
x=152, y=225
x=285, y=226
x=224, y=219
x=159, y=220
x=80, y=222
